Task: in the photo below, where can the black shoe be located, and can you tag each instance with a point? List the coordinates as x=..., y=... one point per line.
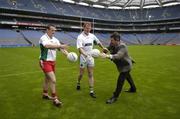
x=131, y=91
x=92, y=95
x=47, y=97
x=111, y=100
x=133, y=61
x=78, y=87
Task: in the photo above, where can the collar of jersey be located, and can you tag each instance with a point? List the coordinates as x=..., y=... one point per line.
x=48, y=37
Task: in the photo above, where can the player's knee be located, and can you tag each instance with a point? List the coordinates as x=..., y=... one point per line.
x=90, y=75
x=53, y=81
x=80, y=76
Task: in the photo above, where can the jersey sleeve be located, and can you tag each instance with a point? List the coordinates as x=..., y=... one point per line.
x=120, y=54
x=79, y=43
x=43, y=41
x=96, y=39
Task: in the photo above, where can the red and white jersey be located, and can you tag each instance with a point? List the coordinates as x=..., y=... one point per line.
x=46, y=53
x=86, y=42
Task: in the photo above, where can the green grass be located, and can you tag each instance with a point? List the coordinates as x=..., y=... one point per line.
x=156, y=75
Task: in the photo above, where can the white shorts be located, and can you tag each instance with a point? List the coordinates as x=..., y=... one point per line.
x=86, y=62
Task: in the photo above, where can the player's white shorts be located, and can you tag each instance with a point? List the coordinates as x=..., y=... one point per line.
x=86, y=62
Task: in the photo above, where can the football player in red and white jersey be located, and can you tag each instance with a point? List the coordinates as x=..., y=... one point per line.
x=48, y=46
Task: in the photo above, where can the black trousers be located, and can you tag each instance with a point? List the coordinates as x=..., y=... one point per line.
x=120, y=82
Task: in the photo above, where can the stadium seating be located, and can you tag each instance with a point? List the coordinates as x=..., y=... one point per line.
x=65, y=38
x=12, y=38
x=152, y=38
x=61, y=8
x=32, y=35
x=104, y=38
x=127, y=17
x=28, y=37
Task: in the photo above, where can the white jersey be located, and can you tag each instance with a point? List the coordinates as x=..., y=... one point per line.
x=46, y=53
x=86, y=42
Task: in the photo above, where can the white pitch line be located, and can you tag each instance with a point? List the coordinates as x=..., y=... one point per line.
x=7, y=65
x=16, y=74
x=32, y=72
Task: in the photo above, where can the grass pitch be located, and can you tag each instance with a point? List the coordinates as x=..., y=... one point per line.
x=156, y=75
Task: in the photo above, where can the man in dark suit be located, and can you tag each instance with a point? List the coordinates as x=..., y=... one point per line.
x=119, y=55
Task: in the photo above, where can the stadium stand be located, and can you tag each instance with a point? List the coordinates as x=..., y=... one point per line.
x=174, y=41
x=102, y=38
x=65, y=38
x=10, y=38
x=152, y=38
x=137, y=26
x=53, y=7
x=32, y=35
x=129, y=39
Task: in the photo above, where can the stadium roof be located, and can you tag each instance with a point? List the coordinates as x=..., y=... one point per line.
x=125, y=4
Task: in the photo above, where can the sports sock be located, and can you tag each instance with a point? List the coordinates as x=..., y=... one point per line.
x=45, y=92
x=91, y=89
x=54, y=95
x=78, y=83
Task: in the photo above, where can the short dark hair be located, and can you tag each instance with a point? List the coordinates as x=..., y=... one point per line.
x=86, y=23
x=50, y=25
x=116, y=36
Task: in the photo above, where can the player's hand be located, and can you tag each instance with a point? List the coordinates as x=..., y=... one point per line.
x=105, y=50
x=103, y=55
x=64, y=46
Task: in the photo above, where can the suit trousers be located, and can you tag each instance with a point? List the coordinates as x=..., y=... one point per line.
x=120, y=82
